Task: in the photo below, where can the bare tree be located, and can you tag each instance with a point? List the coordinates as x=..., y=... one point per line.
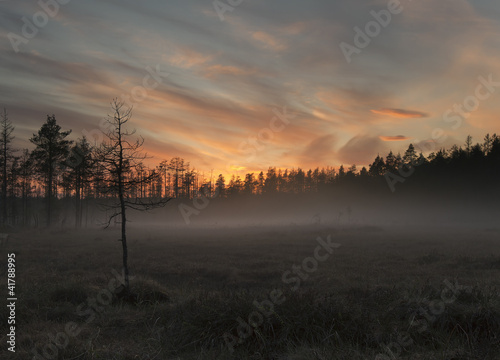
x=121, y=157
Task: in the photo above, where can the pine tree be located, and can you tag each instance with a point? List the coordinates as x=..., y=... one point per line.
x=6, y=138
x=25, y=174
x=410, y=156
x=249, y=184
x=48, y=157
x=341, y=173
x=220, y=186
x=390, y=162
x=377, y=168
x=271, y=182
x=80, y=163
x=468, y=144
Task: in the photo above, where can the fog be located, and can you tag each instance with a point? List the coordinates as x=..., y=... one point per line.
x=324, y=210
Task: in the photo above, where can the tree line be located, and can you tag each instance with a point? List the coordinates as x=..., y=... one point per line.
x=39, y=186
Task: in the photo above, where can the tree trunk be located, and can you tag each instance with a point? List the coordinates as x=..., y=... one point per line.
x=124, y=246
x=4, y=182
x=121, y=196
x=78, y=204
x=49, y=195
x=25, y=207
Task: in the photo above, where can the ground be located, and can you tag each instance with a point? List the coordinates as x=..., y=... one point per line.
x=356, y=292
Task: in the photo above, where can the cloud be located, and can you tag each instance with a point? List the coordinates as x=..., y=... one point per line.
x=215, y=70
x=35, y=65
x=401, y=113
x=319, y=150
x=361, y=150
x=188, y=58
x=225, y=79
x=294, y=28
x=268, y=41
x=394, y=138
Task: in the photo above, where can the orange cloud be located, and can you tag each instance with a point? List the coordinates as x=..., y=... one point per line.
x=394, y=138
x=237, y=168
x=400, y=113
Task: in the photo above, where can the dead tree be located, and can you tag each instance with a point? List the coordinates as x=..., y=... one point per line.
x=120, y=157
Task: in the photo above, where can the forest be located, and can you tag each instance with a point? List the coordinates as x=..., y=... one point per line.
x=59, y=177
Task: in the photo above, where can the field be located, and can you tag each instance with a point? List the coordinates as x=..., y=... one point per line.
x=358, y=292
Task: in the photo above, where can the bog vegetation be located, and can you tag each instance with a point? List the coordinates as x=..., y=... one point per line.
x=415, y=276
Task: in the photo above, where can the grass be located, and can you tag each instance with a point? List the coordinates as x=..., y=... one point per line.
x=381, y=291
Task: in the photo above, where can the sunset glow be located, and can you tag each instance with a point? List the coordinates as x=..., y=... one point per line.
x=207, y=90
x=243, y=179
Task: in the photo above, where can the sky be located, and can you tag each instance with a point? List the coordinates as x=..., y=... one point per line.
x=238, y=86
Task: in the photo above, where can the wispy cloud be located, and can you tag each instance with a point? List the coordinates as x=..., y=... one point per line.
x=394, y=138
x=268, y=41
x=401, y=113
x=187, y=58
x=215, y=70
x=226, y=77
